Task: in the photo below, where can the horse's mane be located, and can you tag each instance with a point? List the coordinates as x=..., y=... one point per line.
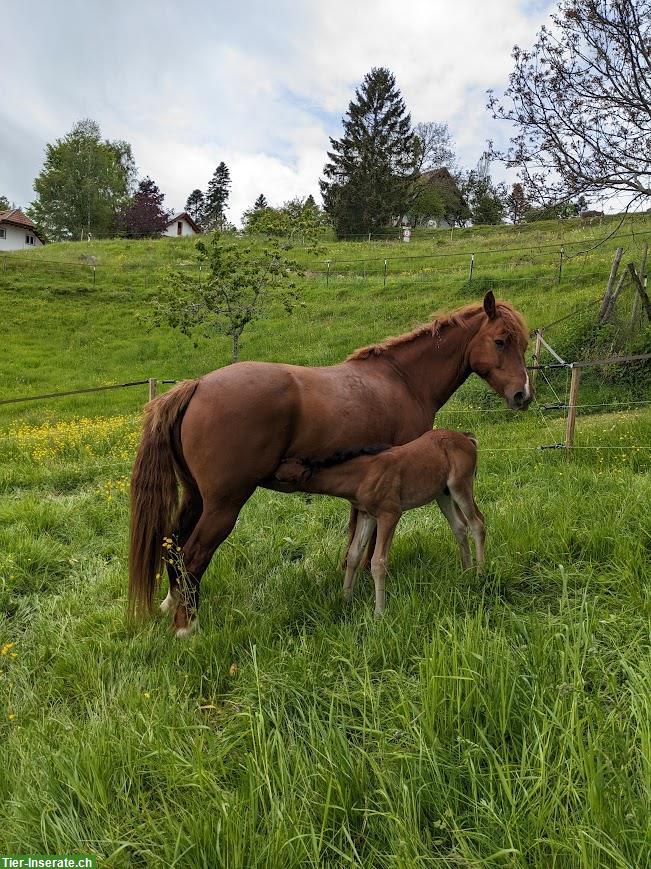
x=512, y=321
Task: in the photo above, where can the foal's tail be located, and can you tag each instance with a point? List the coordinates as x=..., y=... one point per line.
x=154, y=491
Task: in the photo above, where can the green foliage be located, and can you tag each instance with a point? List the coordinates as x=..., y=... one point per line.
x=239, y=285
x=371, y=168
x=456, y=211
x=297, y=220
x=83, y=184
x=487, y=201
x=558, y=211
x=427, y=205
x=4, y=204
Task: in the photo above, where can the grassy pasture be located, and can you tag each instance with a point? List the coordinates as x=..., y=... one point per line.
x=501, y=720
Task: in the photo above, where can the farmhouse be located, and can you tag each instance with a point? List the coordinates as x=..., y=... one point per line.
x=182, y=224
x=17, y=231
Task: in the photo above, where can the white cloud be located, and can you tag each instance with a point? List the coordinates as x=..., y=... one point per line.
x=259, y=87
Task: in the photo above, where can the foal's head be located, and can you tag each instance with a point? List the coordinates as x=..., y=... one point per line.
x=496, y=353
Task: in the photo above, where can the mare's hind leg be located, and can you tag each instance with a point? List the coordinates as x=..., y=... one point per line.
x=459, y=526
x=462, y=495
x=363, y=531
x=214, y=526
x=187, y=518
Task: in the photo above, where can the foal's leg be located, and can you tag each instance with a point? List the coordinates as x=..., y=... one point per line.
x=386, y=525
x=457, y=522
x=364, y=529
x=462, y=495
x=352, y=527
x=214, y=526
x=188, y=516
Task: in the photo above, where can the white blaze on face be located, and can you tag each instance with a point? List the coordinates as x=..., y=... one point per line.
x=527, y=386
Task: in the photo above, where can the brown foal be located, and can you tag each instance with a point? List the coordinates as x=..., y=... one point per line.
x=438, y=466
x=224, y=434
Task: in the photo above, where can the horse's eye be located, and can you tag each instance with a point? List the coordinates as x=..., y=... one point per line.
x=499, y=342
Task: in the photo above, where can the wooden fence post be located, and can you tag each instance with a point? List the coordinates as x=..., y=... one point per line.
x=152, y=387
x=536, y=356
x=571, y=410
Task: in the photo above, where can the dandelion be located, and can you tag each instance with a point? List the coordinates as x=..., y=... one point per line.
x=11, y=716
x=232, y=670
x=6, y=648
x=146, y=695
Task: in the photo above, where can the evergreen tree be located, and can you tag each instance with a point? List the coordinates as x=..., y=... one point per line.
x=371, y=168
x=83, y=184
x=195, y=204
x=4, y=204
x=144, y=216
x=260, y=202
x=517, y=203
x=217, y=197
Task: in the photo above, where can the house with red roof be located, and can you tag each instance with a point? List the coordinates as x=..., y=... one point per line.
x=17, y=231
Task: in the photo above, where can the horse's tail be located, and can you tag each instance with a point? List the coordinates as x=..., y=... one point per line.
x=471, y=437
x=154, y=492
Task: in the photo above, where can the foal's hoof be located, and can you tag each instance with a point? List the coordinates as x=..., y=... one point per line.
x=378, y=614
x=187, y=631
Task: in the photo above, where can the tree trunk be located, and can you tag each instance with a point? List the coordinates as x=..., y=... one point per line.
x=235, y=347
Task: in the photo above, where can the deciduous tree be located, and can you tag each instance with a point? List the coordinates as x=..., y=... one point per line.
x=144, y=215
x=83, y=184
x=581, y=102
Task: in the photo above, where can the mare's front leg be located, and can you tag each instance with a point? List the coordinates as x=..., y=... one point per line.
x=386, y=525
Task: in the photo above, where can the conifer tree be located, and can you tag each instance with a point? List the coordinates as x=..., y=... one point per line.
x=217, y=197
x=195, y=205
x=371, y=168
x=260, y=202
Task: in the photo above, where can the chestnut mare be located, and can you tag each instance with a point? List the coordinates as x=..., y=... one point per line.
x=224, y=434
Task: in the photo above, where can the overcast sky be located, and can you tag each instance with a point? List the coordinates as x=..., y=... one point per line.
x=258, y=85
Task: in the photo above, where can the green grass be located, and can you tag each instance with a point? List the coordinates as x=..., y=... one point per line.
x=500, y=720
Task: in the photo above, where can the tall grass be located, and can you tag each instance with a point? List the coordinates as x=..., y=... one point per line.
x=498, y=720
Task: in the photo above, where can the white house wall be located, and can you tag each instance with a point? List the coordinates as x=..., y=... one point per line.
x=186, y=230
x=15, y=238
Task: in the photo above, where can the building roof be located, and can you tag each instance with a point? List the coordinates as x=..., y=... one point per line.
x=15, y=217
x=185, y=216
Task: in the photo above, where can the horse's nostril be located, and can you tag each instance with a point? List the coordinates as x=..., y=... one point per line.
x=519, y=398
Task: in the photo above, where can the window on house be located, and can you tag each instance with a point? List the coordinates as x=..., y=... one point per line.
x=179, y=228
x=3, y=232
x=29, y=239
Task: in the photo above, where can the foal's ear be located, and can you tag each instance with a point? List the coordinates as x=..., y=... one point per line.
x=489, y=305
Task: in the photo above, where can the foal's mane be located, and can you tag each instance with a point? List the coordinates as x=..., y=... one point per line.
x=512, y=321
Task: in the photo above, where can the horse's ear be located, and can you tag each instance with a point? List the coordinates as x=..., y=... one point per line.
x=489, y=305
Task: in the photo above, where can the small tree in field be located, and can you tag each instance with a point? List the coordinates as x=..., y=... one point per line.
x=260, y=202
x=242, y=286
